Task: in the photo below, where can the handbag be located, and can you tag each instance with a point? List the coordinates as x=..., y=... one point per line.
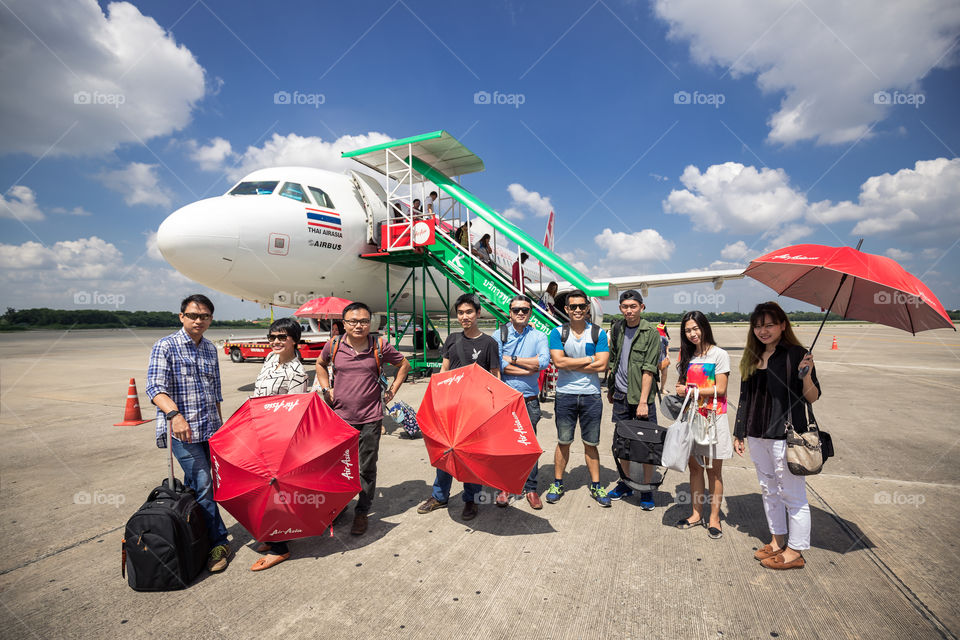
x=806, y=452
x=705, y=431
x=679, y=439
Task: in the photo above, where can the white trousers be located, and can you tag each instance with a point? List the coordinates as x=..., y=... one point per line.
x=784, y=494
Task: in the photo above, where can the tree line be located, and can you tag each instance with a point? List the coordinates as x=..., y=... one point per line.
x=44, y=318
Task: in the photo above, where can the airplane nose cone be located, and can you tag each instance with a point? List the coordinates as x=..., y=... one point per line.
x=200, y=241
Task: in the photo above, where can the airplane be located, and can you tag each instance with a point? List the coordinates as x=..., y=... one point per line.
x=284, y=235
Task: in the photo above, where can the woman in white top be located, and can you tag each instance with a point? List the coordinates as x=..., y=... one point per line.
x=483, y=250
x=282, y=373
x=548, y=299
x=706, y=366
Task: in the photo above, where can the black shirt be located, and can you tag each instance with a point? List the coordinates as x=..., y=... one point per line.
x=769, y=395
x=483, y=350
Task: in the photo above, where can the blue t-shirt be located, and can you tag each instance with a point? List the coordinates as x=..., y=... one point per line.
x=579, y=382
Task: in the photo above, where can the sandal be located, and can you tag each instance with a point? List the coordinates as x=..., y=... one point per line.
x=686, y=524
x=268, y=561
x=715, y=533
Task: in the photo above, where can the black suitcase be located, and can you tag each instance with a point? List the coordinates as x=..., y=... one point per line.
x=165, y=543
x=642, y=442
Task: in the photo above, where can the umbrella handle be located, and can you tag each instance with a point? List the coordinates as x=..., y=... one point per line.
x=805, y=370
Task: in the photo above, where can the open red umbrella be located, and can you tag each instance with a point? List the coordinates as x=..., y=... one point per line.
x=853, y=284
x=285, y=466
x=328, y=308
x=477, y=429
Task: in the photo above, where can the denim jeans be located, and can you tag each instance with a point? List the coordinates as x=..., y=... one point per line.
x=441, y=487
x=622, y=410
x=533, y=410
x=194, y=458
x=571, y=406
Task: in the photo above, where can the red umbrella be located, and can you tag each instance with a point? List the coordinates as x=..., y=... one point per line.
x=285, y=466
x=477, y=429
x=852, y=284
x=329, y=308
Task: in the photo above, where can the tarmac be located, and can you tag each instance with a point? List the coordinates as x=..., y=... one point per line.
x=883, y=563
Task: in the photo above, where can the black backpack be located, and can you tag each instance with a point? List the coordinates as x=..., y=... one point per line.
x=165, y=543
x=639, y=441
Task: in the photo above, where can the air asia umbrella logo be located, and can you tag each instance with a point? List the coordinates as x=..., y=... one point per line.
x=287, y=531
x=787, y=256
x=518, y=428
x=216, y=471
x=289, y=405
x=347, y=465
x=452, y=380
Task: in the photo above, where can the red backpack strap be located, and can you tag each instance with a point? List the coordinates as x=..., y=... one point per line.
x=333, y=357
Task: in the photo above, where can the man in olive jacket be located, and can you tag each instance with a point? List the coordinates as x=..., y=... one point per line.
x=633, y=378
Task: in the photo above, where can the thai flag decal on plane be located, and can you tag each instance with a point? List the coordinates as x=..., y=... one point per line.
x=323, y=218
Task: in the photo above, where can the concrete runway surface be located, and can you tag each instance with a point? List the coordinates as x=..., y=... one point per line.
x=883, y=564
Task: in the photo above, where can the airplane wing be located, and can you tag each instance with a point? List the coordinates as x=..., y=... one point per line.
x=644, y=282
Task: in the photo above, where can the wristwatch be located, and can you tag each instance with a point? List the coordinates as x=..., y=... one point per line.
x=513, y=359
x=171, y=415
x=324, y=390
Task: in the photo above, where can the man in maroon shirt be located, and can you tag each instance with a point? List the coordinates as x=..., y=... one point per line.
x=516, y=271
x=358, y=398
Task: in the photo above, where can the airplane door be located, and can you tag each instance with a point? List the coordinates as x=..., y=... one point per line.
x=374, y=200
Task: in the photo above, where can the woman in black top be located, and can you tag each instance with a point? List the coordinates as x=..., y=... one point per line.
x=771, y=394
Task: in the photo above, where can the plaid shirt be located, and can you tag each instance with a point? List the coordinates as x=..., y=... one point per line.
x=190, y=375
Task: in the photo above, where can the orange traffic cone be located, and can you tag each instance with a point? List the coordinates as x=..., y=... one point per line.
x=131, y=414
x=834, y=347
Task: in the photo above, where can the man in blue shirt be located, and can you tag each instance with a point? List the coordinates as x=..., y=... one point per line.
x=580, y=359
x=183, y=381
x=523, y=354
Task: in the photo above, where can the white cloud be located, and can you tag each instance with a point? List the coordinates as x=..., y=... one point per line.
x=897, y=254
x=530, y=200
x=76, y=211
x=736, y=251
x=80, y=259
x=512, y=213
x=211, y=157
x=731, y=196
x=828, y=58
x=153, y=250
x=640, y=246
x=787, y=235
x=289, y=150
x=29, y=255
x=21, y=204
x=108, y=79
x=138, y=183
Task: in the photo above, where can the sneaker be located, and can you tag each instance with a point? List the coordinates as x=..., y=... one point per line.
x=620, y=492
x=554, y=491
x=218, y=559
x=599, y=494
x=646, y=501
x=432, y=504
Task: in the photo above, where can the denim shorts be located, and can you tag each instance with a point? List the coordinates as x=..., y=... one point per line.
x=588, y=408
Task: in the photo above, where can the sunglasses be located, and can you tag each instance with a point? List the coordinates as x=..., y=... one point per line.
x=198, y=316
x=276, y=336
x=519, y=310
x=578, y=307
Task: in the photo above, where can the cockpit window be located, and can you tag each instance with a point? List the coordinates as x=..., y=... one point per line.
x=263, y=188
x=321, y=197
x=294, y=191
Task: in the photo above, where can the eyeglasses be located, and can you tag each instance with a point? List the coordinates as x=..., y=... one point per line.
x=353, y=323
x=276, y=336
x=578, y=307
x=198, y=316
x=520, y=310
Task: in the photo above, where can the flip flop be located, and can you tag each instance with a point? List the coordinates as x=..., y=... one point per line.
x=268, y=561
x=715, y=533
x=686, y=524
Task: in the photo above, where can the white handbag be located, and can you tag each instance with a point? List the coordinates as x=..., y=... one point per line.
x=705, y=432
x=679, y=439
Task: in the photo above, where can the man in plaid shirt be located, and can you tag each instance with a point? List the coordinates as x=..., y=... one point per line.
x=183, y=381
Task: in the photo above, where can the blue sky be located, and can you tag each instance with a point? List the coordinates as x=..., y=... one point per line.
x=699, y=135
